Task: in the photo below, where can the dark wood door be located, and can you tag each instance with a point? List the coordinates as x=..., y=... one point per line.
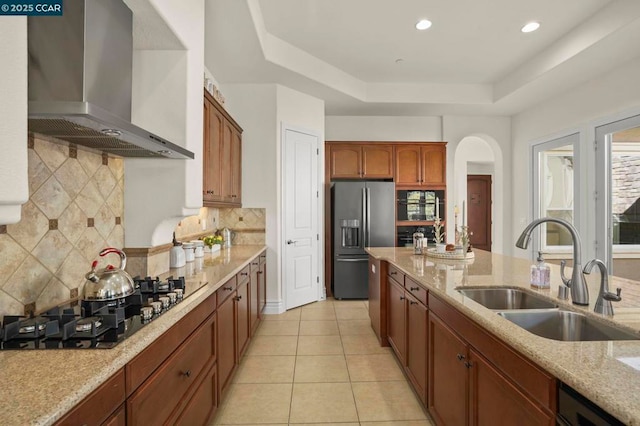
x=434, y=160
x=242, y=318
x=396, y=327
x=408, y=168
x=417, y=345
x=448, y=376
x=346, y=161
x=377, y=161
x=479, y=210
x=495, y=401
x=226, y=344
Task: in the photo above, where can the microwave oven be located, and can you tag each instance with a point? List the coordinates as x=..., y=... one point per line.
x=420, y=205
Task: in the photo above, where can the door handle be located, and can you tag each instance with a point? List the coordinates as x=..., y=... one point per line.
x=290, y=242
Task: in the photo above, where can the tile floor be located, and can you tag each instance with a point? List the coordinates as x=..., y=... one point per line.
x=319, y=364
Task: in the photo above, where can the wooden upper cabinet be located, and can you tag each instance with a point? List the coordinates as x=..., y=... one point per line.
x=421, y=165
x=222, y=157
x=360, y=161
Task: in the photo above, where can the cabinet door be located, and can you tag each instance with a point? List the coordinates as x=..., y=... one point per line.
x=225, y=165
x=262, y=284
x=408, y=165
x=203, y=403
x=495, y=401
x=374, y=296
x=119, y=418
x=434, y=160
x=236, y=167
x=377, y=161
x=226, y=342
x=212, y=184
x=346, y=161
x=448, y=376
x=242, y=319
x=396, y=328
x=417, y=345
x=254, y=298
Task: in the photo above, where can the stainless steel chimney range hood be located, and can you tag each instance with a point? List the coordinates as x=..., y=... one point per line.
x=80, y=67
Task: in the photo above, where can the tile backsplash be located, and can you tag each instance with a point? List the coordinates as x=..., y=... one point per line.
x=75, y=209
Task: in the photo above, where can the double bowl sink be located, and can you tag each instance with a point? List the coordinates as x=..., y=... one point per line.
x=542, y=317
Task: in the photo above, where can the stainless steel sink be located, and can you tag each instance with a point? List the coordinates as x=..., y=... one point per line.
x=503, y=298
x=567, y=326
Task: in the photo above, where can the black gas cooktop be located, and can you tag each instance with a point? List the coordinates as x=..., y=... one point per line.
x=93, y=324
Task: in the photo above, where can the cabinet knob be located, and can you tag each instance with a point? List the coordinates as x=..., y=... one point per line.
x=238, y=298
x=411, y=302
x=244, y=273
x=402, y=297
x=414, y=288
x=227, y=288
x=460, y=357
x=393, y=273
x=468, y=364
x=187, y=373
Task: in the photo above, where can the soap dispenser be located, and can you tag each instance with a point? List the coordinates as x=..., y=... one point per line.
x=540, y=273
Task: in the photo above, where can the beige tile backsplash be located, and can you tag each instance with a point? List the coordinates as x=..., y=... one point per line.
x=75, y=209
x=45, y=255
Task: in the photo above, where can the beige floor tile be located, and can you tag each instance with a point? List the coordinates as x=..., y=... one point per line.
x=278, y=328
x=350, y=304
x=355, y=327
x=325, y=424
x=273, y=345
x=386, y=401
x=321, y=369
x=266, y=369
x=352, y=314
x=292, y=315
x=373, y=368
x=319, y=345
x=319, y=328
x=256, y=404
x=400, y=423
x=322, y=304
x=363, y=344
x=322, y=403
x=320, y=314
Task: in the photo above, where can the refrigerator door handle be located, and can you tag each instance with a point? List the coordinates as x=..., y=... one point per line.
x=368, y=222
x=365, y=218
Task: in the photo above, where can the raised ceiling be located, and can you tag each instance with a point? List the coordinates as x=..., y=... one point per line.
x=473, y=60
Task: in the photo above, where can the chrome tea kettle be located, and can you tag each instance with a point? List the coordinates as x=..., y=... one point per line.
x=109, y=283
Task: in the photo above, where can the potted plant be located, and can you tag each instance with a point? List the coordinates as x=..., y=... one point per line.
x=438, y=234
x=212, y=243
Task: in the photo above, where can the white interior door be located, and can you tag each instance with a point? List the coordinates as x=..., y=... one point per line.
x=300, y=217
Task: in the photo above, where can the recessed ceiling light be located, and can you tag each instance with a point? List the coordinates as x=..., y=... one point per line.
x=423, y=24
x=530, y=27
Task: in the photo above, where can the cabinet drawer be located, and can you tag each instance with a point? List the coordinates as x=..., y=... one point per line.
x=244, y=274
x=153, y=356
x=99, y=405
x=226, y=290
x=255, y=264
x=417, y=290
x=203, y=404
x=156, y=399
x=396, y=274
x=263, y=257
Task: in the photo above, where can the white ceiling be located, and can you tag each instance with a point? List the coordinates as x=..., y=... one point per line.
x=473, y=60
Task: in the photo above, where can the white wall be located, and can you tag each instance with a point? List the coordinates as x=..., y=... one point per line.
x=260, y=110
x=14, y=190
x=365, y=128
x=608, y=97
x=167, y=99
x=253, y=106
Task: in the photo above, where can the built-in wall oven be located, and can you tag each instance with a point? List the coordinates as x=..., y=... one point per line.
x=420, y=205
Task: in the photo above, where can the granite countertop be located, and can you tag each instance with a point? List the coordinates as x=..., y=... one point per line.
x=608, y=373
x=40, y=386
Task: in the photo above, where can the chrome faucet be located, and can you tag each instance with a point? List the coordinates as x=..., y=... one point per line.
x=603, y=303
x=577, y=283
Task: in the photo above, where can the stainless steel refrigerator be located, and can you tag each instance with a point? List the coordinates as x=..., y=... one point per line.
x=363, y=216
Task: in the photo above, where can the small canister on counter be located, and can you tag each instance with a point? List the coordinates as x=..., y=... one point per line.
x=189, y=253
x=198, y=248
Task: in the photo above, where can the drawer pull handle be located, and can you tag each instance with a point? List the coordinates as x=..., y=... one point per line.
x=393, y=273
x=414, y=288
x=460, y=357
x=244, y=273
x=259, y=272
x=238, y=297
x=227, y=288
x=411, y=302
x=468, y=364
x=402, y=297
x=187, y=373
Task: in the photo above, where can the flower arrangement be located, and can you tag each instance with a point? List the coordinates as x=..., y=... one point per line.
x=211, y=240
x=437, y=231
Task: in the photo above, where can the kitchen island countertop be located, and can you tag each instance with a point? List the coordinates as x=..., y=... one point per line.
x=40, y=386
x=608, y=373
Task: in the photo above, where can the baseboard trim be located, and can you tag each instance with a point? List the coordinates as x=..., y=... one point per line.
x=274, y=308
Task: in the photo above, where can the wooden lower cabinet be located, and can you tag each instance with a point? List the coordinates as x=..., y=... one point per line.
x=475, y=379
x=242, y=319
x=378, y=299
x=262, y=284
x=226, y=343
x=396, y=328
x=203, y=405
x=417, y=348
x=448, y=377
x=254, y=283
